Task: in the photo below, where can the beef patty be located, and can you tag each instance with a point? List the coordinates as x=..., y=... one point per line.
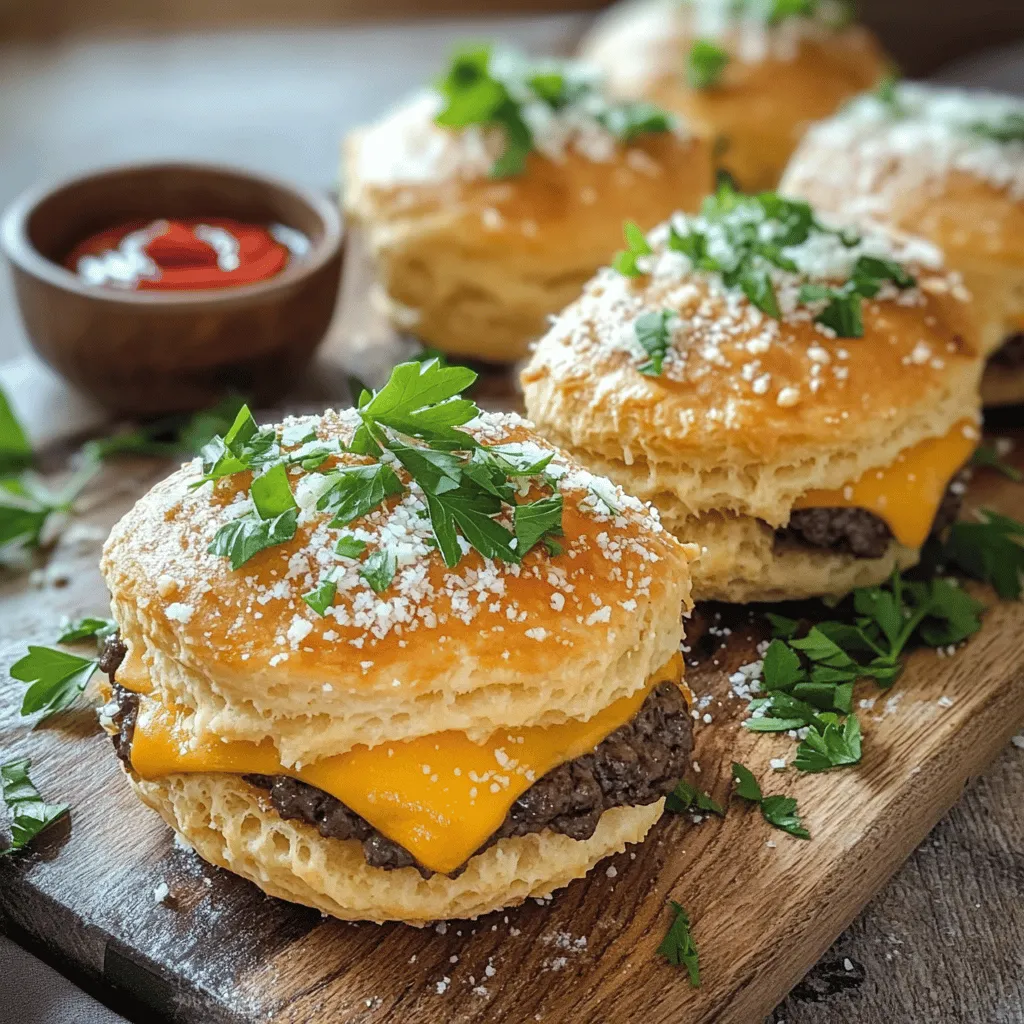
x=637, y=764
x=1011, y=353
x=858, y=532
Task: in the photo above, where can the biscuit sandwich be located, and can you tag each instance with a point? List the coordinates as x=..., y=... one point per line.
x=488, y=201
x=795, y=397
x=405, y=662
x=947, y=164
x=752, y=75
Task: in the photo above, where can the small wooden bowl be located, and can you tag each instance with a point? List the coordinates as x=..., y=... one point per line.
x=149, y=352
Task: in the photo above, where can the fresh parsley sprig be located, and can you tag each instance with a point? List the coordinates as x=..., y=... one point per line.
x=15, y=449
x=55, y=678
x=654, y=335
x=757, y=231
x=29, y=813
x=778, y=811
x=483, y=87
x=989, y=456
x=990, y=549
x=686, y=798
x=411, y=423
x=678, y=947
x=1009, y=129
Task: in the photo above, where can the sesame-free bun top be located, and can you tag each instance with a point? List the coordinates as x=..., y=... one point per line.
x=471, y=648
x=749, y=412
x=474, y=262
x=780, y=76
x=947, y=164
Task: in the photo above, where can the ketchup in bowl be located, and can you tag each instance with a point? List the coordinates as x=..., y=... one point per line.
x=189, y=254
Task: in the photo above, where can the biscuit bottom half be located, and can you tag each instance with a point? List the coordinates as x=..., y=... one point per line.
x=223, y=818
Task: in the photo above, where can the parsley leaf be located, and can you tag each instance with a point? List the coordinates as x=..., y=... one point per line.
x=990, y=550
x=88, y=628
x=654, y=335
x=836, y=747
x=272, y=493
x=989, y=457
x=1010, y=129
x=15, y=450
x=636, y=246
x=242, y=538
x=535, y=520
x=322, y=597
x=55, y=679
x=356, y=490
x=379, y=569
x=705, y=64
x=678, y=947
x=685, y=797
x=745, y=784
x=29, y=814
x=778, y=811
x=349, y=546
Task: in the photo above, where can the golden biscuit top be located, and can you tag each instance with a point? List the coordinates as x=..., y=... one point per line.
x=419, y=622
x=945, y=163
x=753, y=358
x=647, y=40
x=495, y=112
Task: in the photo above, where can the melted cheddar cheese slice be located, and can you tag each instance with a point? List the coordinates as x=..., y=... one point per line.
x=441, y=796
x=908, y=493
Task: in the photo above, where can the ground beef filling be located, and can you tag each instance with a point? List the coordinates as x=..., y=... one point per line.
x=1011, y=353
x=637, y=764
x=858, y=532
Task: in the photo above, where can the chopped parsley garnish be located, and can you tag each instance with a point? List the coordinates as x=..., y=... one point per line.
x=778, y=811
x=752, y=242
x=887, y=93
x=1009, y=129
x=654, y=335
x=15, y=450
x=678, y=947
x=379, y=569
x=486, y=87
x=705, y=64
x=247, y=536
x=29, y=814
x=322, y=597
x=410, y=423
x=636, y=246
x=988, y=456
x=686, y=798
x=55, y=679
x=990, y=550
x=89, y=628
x=808, y=675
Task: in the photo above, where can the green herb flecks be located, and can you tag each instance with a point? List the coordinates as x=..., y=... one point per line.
x=1009, y=129
x=991, y=550
x=688, y=798
x=989, y=456
x=778, y=811
x=654, y=335
x=705, y=64
x=29, y=814
x=678, y=947
x=484, y=87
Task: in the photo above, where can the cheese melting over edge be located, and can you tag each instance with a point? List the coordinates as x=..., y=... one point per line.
x=441, y=797
x=907, y=493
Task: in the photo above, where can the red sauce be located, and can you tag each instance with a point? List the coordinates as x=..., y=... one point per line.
x=185, y=255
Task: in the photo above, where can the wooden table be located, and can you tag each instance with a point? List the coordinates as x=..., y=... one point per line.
x=947, y=934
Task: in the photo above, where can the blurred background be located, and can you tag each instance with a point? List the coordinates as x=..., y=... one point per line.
x=274, y=84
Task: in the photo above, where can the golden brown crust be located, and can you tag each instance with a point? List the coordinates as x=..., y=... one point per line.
x=228, y=824
x=966, y=196
x=772, y=89
x=474, y=265
x=703, y=433
x=470, y=648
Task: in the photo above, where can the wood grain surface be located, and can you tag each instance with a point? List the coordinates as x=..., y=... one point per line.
x=765, y=906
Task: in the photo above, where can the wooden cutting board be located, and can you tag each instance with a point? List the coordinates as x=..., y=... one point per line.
x=764, y=905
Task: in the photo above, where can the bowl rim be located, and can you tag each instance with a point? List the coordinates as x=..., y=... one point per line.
x=19, y=249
